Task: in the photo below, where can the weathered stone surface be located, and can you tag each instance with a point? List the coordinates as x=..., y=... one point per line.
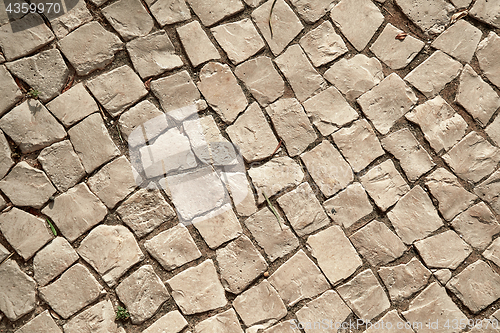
x=460, y=40
x=414, y=216
x=90, y=47
x=487, y=11
x=336, y=256
x=482, y=292
x=72, y=19
x=275, y=241
x=172, y=322
x=358, y=20
x=493, y=252
x=489, y=190
x=169, y=11
x=391, y=322
x=52, y=260
x=364, y=295
x=75, y=289
x=322, y=44
x=219, y=226
x=280, y=27
x=442, y=126
x=76, y=211
x=356, y=75
x=444, y=250
x=283, y=327
x=402, y=281
x=18, y=291
x=443, y=275
x=493, y=130
x=153, y=54
x=197, y=45
x=111, y=251
x=487, y=53
x=430, y=16
x=349, y=205
x=241, y=192
x=212, y=12
x=43, y=323
x=98, y=318
x=31, y=126
x=412, y=157
x=328, y=168
x=128, y=26
x=396, y=53
x=224, y=322
x=198, y=289
x=11, y=94
x=261, y=79
x=312, y=10
x=384, y=184
x=4, y=253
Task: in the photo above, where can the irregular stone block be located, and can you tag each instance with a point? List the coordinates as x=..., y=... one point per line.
x=219, y=226
x=430, y=16
x=239, y=188
x=172, y=322
x=225, y=322
x=393, y=320
x=18, y=291
x=43, y=323
x=493, y=130
x=444, y=250
x=443, y=275
x=486, y=53
x=211, y=12
x=10, y=94
x=322, y=44
x=349, y=205
x=460, y=40
x=98, y=318
x=489, y=191
x=328, y=306
x=312, y=10
x=128, y=26
x=53, y=259
x=486, y=11
x=72, y=19
x=196, y=43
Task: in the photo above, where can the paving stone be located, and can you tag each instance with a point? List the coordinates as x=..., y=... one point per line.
x=404, y=280
x=224, y=322
x=451, y=196
x=387, y=102
x=412, y=157
x=444, y=250
x=18, y=291
x=101, y=246
x=64, y=24
x=128, y=26
x=153, y=54
x=169, y=11
x=265, y=229
x=4, y=253
x=329, y=111
x=493, y=130
x=356, y=75
x=336, y=256
x=76, y=211
x=172, y=322
x=11, y=94
x=489, y=191
x=278, y=27
x=359, y=144
x=493, y=252
x=443, y=275
x=414, y=216
x=53, y=259
x=349, y=205
x=240, y=263
x=393, y=52
x=430, y=16
x=198, y=289
x=241, y=192
x=173, y=248
x=90, y=47
x=384, y=184
x=211, y=13
x=299, y=72
x=31, y=126
x=486, y=11
x=486, y=53
x=98, y=318
x=327, y=168
x=477, y=226
x=322, y=44
x=391, y=322
x=312, y=10
x=113, y=182
x=365, y=296
x=74, y=290
x=358, y=20
x=460, y=40
x=260, y=304
x=478, y=295
x=473, y=158
x=303, y=210
x=377, y=243
x=43, y=323
x=196, y=43
x=432, y=75
x=261, y=79
x=283, y=327
x=477, y=96
x=439, y=122
x=6, y=161
x=142, y=293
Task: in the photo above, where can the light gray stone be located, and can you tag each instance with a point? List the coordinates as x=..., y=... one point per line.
x=487, y=11
x=493, y=130
x=43, y=323
x=493, y=252
x=349, y=205
x=393, y=320
x=443, y=275
x=197, y=45
x=18, y=291
x=52, y=260
x=461, y=3
x=6, y=161
x=460, y=40
x=211, y=12
x=72, y=19
x=430, y=16
x=312, y=10
x=486, y=54
x=489, y=191
x=219, y=226
x=224, y=322
x=283, y=327
x=444, y=250
x=98, y=318
x=11, y=94
x=128, y=26
x=241, y=192
x=172, y=322
x=322, y=44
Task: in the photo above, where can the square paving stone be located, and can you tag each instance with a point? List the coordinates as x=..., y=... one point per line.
x=444, y=250
x=11, y=94
x=224, y=322
x=391, y=322
x=64, y=24
x=18, y=291
x=459, y=40
x=118, y=14
x=322, y=44
x=211, y=12
x=43, y=323
x=99, y=318
x=489, y=191
x=53, y=259
x=487, y=53
x=172, y=322
x=169, y=11
x=486, y=11
x=199, y=48
x=239, y=187
x=198, y=289
x=430, y=16
x=312, y=10
x=111, y=251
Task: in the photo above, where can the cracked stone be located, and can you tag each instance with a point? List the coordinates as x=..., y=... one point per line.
x=118, y=14
x=53, y=259
x=18, y=291
x=98, y=318
x=349, y=205
x=10, y=94
x=197, y=45
x=487, y=55
x=486, y=11
x=430, y=16
x=489, y=191
x=225, y=322
x=172, y=322
x=219, y=226
x=444, y=250
x=460, y=40
x=43, y=323
x=322, y=44
x=211, y=12
x=74, y=18
x=396, y=323
x=443, y=275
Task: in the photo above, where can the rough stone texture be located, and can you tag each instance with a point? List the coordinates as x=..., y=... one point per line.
x=396, y=53
x=393, y=320
x=322, y=44
x=172, y=322
x=441, y=125
x=280, y=27
x=142, y=293
x=129, y=18
x=364, y=295
x=328, y=168
x=404, y=280
x=414, y=216
x=74, y=290
x=312, y=10
x=98, y=318
x=241, y=192
x=487, y=11
x=387, y=102
x=444, y=250
x=283, y=327
x=90, y=47
x=384, y=184
x=478, y=295
x=412, y=157
x=443, y=275
x=212, y=12
x=153, y=54
x=169, y=11
x=377, y=243
x=196, y=43
x=43, y=323
x=493, y=130
x=31, y=126
x=358, y=20
x=356, y=75
x=430, y=16
x=261, y=79
x=111, y=251
x=336, y=256
x=473, y=158
x=460, y=40
x=66, y=23
x=4, y=253
x=11, y=94
x=265, y=229
x=52, y=260
x=76, y=211
x=477, y=96
x=487, y=53
x=18, y=291
x=493, y=252
x=224, y=322
x=349, y=205
x=198, y=289
x=359, y=144
x=219, y=226
x=489, y=191
x=431, y=76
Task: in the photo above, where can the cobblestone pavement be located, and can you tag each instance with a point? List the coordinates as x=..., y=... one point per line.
x=364, y=185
